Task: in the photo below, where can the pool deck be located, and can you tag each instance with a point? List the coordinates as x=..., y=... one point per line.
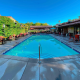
x=20, y=68
x=73, y=44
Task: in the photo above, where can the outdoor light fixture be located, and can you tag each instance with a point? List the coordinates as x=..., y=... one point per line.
x=3, y=25
x=3, y=29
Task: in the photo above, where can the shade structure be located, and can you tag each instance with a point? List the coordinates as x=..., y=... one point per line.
x=52, y=28
x=1, y=37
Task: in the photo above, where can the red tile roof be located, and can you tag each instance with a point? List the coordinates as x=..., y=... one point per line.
x=70, y=23
x=11, y=17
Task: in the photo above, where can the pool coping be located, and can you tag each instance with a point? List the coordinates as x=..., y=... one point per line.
x=48, y=60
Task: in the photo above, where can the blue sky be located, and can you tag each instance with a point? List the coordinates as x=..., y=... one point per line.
x=43, y=11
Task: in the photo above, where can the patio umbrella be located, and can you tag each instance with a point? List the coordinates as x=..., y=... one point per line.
x=21, y=33
x=52, y=28
x=14, y=35
x=1, y=37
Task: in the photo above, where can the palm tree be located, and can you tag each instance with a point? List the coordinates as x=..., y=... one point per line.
x=59, y=21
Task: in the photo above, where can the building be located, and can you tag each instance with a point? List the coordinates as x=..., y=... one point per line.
x=69, y=27
x=40, y=27
x=11, y=18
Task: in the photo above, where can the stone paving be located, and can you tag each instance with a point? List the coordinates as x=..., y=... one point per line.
x=73, y=44
x=20, y=68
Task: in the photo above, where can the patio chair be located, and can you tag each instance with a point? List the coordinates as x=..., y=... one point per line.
x=64, y=34
x=59, y=33
x=21, y=35
x=71, y=36
x=76, y=37
x=2, y=40
x=16, y=37
x=10, y=38
x=24, y=34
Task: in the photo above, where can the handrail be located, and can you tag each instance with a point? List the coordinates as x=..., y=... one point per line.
x=39, y=54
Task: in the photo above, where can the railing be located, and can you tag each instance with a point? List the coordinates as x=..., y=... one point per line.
x=39, y=54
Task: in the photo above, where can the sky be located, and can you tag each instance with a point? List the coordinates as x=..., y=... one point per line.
x=43, y=11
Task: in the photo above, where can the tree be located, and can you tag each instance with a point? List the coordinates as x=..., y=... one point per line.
x=10, y=27
x=31, y=23
x=38, y=24
x=59, y=21
x=44, y=24
x=69, y=19
x=54, y=26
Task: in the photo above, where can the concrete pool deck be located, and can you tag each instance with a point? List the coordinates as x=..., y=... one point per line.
x=20, y=68
x=73, y=44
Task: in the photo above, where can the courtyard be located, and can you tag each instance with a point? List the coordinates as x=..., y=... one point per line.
x=58, y=68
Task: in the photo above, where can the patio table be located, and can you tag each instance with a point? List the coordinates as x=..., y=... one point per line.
x=79, y=35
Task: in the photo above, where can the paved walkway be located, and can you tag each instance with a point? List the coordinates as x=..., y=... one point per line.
x=20, y=68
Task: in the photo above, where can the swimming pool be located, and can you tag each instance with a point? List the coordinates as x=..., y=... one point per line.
x=49, y=48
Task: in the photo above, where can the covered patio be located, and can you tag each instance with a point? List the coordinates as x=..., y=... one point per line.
x=40, y=29
x=69, y=27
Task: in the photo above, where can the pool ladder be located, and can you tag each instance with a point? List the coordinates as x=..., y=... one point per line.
x=39, y=55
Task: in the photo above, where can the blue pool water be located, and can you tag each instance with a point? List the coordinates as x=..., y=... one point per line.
x=49, y=47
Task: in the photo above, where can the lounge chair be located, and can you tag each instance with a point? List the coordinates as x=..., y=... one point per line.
x=64, y=34
x=59, y=33
x=10, y=38
x=16, y=37
x=2, y=40
x=24, y=34
x=76, y=37
x=21, y=35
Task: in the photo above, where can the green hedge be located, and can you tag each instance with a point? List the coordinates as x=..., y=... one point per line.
x=10, y=27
